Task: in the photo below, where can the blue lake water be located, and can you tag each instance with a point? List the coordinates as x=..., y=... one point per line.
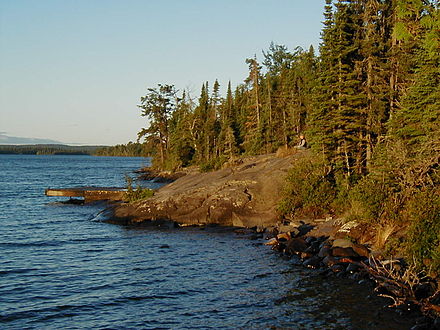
x=60, y=267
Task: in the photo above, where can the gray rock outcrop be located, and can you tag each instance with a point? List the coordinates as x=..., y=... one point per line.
x=243, y=195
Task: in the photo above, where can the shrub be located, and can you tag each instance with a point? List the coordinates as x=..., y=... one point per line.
x=308, y=190
x=368, y=199
x=423, y=243
x=213, y=164
x=140, y=193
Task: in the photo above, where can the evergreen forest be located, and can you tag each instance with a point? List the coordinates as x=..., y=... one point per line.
x=368, y=102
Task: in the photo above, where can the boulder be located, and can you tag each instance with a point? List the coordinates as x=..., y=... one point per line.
x=352, y=268
x=310, y=239
x=344, y=252
x=292, y=229
x=283, y=237
x=325, y=251
x=337, y=268
x=329, y=261
x=296, y=245
x=342, y=243
x=313, y=262
x=306, y=255
x=272, y=241
x=311, y=250
x=361, y=250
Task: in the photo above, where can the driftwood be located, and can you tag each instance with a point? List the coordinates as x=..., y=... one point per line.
x=400, y=286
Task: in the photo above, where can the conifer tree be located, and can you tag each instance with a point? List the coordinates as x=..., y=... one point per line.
x=418, y=120
x=252, y=139
x=158, y=105
x=198, y=126
x=227, y=135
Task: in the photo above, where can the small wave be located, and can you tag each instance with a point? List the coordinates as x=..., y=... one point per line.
x=17, y=271
x=31, y=244
x=44, y=313
x=55, y=242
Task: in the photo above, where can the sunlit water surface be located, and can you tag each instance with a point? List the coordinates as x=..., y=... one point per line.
x=60, y=267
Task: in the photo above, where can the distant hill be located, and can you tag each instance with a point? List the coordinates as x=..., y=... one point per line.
x=15, y=140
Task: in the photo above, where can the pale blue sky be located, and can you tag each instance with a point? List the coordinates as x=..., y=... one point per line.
x=74, y=71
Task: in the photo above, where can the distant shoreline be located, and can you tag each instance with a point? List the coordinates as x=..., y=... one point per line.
x=47, y=149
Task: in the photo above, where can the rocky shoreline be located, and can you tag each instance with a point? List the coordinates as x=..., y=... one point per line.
x=245, y=194
x=406, y=290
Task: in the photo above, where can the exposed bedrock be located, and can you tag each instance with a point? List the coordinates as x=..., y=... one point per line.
x=245, y=194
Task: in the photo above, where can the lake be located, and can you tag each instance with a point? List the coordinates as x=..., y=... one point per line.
x=62, y=267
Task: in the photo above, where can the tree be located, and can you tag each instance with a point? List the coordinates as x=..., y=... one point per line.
x=158, y=105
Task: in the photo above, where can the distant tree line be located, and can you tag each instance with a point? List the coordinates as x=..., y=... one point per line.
x=369, y=105
x=131, y=149
x=121, y=150
x=47, y=149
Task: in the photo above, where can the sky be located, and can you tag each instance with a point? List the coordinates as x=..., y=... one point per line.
x=74, y=70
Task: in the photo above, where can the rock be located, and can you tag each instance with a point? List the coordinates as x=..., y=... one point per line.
x=313, y=262
x=292, y=229
x=246, y=195
x=272, y=241
x=296, y=260
x=256, y=236
x=361, y=250
x=342, y=243
x=341, y=274
x=296, y=245
x=283, y=237
x=363, y=282
x=325, y=251
x=329, y=261
x=337, y=268
x=423, y=326
x=325, y=243
x=310, y=239
x=312, y=250
x=423, y=290
x=352, y=268
x=343, y=252
x=315, y=245
x=306, y=255
x=304, y=228
x=322, y=239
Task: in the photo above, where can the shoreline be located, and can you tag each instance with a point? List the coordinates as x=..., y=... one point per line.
x=322, y=244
